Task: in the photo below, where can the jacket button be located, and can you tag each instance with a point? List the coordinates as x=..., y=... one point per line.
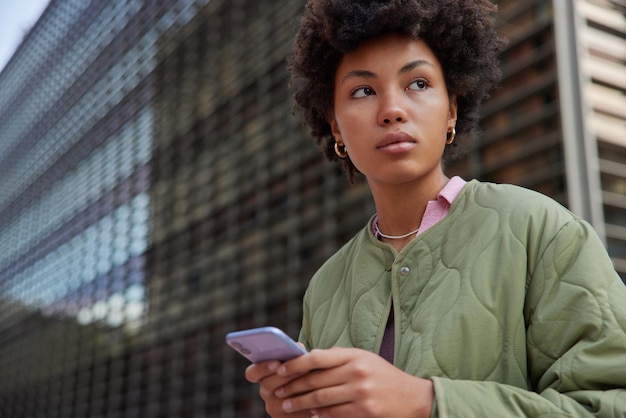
x=404, y=270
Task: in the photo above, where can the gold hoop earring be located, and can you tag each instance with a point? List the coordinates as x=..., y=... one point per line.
x=340, y=150
x=451, y=135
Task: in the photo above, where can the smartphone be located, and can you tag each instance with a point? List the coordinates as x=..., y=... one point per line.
x=265, y=343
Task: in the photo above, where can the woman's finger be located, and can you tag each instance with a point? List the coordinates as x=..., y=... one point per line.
x=257, y=372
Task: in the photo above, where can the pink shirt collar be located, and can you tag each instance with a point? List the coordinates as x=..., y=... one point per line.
x=436, y=210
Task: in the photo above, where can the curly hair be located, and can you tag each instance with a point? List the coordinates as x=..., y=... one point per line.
x=459, y=32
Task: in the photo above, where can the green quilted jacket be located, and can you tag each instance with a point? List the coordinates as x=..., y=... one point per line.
x=510, y=304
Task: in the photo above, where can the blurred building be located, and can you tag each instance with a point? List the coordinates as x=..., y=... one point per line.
x=157, y=192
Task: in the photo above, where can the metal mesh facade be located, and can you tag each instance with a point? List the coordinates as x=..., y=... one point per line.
x=157, y=192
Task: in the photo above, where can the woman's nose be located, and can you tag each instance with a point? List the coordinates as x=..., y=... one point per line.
x=391, y=110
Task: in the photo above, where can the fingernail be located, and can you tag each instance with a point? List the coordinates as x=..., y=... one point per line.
x=281, y=370
x=280, y=392
x=273, y=366
x=287, y=406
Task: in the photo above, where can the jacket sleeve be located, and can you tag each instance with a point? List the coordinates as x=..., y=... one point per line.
x=575, y=316
x=305, y=330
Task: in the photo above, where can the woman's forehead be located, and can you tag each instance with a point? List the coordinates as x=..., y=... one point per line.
x=397, y=52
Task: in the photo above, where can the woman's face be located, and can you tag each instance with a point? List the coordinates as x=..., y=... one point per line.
x=392, y=110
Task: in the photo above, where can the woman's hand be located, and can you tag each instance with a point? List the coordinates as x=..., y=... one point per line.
x=265, y=375
x=342, y=383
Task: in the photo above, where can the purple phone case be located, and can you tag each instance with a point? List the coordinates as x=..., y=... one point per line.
x=265, y=343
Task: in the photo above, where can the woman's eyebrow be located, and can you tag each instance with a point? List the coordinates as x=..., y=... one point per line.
x=358, y=74
x=414, y=64
x=369, y=74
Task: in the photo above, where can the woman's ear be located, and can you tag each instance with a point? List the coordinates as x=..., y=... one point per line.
x=334, y=128
x=452, y=112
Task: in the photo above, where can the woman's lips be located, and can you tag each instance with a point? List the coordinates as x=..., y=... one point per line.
x=396, y=142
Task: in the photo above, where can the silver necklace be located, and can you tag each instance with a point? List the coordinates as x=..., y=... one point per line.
x=393, y=236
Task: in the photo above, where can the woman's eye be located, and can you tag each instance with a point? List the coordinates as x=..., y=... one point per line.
x=362, y=92
x=418, y=85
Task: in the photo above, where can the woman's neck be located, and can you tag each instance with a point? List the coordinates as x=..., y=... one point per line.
x=400, y=208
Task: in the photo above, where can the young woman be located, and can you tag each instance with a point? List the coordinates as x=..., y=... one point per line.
x=457, y=299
